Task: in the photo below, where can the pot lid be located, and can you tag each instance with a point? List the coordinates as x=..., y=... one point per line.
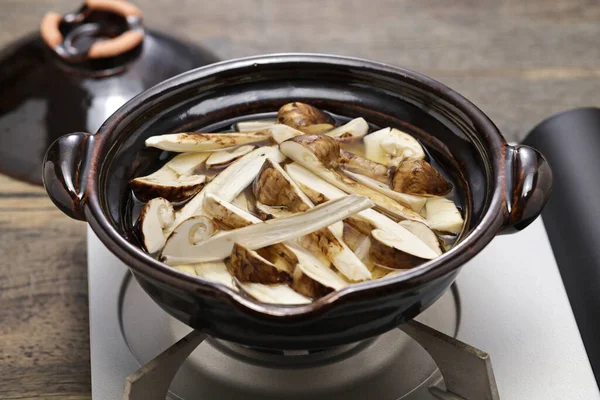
x=74, y=73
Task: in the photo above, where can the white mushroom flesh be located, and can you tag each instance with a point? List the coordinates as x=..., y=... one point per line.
x=249, y=126
x=358, y=127
x=187, y=163
x=215, y=271
x=442, y=215
x=154, y=221
x=391, y=146
x=221, y=158
x=274, y=294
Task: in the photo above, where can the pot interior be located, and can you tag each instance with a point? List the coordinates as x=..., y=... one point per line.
x=202, y=101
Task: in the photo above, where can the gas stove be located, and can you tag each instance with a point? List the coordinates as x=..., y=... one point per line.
x=509, y=302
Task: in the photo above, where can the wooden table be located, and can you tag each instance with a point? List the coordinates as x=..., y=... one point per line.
x=520, y=61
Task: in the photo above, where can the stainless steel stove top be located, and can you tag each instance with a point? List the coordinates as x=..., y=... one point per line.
x=512, y=305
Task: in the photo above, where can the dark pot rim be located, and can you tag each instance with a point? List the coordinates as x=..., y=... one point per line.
x=495, y=216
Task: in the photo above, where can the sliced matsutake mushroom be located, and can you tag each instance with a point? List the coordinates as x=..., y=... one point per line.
x=280, y=133
x=273, y=187
x=187, y=163
x=274, y=294
x=305, y=118
x=154, y=221
x=356, y=128
x=249, y=126
x=231, y=181
x=390, y=146
x=175, y=181
x=442, y=215
x=180, y=250
x=313, y=278
x=309, y=152
x=242, y=201
x=394, y=251
x=277, y=188
x=160, y=185
x=351, y=162
x=193, y=230
x=222, y=158
x=215, y=271
x=418, y=177
x=187, y=142
x=249, y=266
x=234, y=217
x=424, y=233
x=416, y=203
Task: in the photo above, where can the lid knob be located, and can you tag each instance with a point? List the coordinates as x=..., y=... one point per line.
x=90, y=38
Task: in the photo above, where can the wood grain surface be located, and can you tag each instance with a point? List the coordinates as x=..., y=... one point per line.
x=520, y=61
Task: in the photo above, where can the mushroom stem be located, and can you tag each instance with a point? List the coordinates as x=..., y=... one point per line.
x=191, y=142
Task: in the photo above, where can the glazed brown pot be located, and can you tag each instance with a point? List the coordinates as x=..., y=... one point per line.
x=504, y=187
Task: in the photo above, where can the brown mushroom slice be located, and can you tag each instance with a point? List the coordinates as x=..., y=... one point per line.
x=273, y=187
x=188, y=142
x=424, y=233
x=234, y=217
x=231, y=181
x=304, y=117
x=351, y=162
x=222, y=158
x=174, y=181
x=250, y=126
x=173, y=189
x=154, y=221
x=443, y=216
x=180, y=250
x=274, y=294
x=418, y=177
x=416, y=203
x=355, y=128
x=215, y=271
x=303, y=154
x=390, y=146
x=314, y=279
x=249, y=266
x=394, y=251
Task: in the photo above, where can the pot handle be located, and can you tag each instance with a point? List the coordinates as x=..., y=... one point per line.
x=528, y=186
x=65, y=170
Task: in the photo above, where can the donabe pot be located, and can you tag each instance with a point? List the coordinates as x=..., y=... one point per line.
x=504, y=187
